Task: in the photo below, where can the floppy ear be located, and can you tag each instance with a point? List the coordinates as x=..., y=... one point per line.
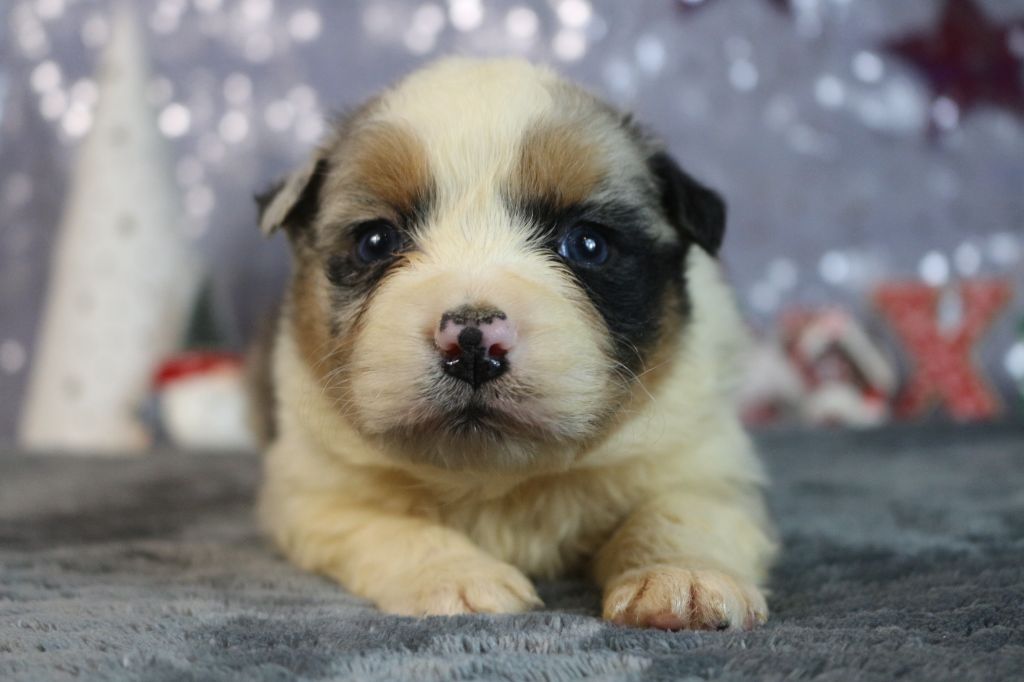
x=695, y=210
x=293, y=203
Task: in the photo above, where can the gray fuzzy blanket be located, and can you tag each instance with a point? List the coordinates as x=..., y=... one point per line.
x=904, y=558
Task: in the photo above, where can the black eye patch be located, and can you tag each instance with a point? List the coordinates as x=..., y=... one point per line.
x=628, y=287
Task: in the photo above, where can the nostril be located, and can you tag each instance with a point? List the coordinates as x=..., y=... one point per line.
x=496, y=350
x=451, y=352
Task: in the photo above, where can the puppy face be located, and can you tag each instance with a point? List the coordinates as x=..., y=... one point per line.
x=485, y=257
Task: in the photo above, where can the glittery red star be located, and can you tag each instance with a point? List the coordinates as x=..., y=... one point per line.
x=966, y=59
x=781, y=5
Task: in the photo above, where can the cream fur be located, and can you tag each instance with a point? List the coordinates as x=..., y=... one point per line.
x=662, y=507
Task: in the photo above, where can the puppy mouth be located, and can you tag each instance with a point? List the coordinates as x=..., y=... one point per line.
x=494, y=412
x=475, y=433
x=475, y=419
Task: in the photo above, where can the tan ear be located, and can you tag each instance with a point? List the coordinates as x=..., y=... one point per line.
x=293, y=203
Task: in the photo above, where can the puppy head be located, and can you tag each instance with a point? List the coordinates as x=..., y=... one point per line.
x=485, y=257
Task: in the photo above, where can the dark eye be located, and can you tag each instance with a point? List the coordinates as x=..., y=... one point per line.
x=584, y=244
x=378, y=240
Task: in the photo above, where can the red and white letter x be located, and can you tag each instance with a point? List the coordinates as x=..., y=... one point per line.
x=941, y=352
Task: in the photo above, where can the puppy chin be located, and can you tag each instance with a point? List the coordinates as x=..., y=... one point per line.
x=454, y=427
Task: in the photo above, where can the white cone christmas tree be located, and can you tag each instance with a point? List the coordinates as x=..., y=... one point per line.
x=122, y=278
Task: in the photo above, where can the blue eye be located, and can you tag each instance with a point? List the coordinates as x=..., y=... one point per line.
x=379, y=241
x=584, y=245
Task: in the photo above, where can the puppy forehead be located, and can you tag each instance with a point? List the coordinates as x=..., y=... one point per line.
x=508, y=126
x=471, y=114
x=472, y=133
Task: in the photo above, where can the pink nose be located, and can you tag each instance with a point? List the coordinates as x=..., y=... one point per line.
x=474, y=343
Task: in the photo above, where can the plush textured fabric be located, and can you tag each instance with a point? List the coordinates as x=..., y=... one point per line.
x=904, y=558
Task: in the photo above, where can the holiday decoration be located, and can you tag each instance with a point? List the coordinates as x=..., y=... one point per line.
x=940, y=329
x=121, y=278
x=823, y=370
x=202, y=394
x=771, y=391
x=203, y=403
x=968, y=60
x=848, y=381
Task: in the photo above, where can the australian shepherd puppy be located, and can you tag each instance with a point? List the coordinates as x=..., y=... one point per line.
x=506, y=352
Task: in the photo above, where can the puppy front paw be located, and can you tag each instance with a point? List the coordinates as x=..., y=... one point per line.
x=470, y=586
x=671, y=598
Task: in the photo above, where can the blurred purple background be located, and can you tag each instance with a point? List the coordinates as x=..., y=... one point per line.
x=855, y=140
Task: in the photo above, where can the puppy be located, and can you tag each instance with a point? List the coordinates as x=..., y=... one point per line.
x=506, y=351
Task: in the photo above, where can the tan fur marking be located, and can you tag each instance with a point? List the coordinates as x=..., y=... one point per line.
x=557, y=164
x=387, y=162
x=309, y=316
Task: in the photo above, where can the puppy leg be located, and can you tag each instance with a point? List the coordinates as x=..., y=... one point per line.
x=405, y=564
x=687, y=561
